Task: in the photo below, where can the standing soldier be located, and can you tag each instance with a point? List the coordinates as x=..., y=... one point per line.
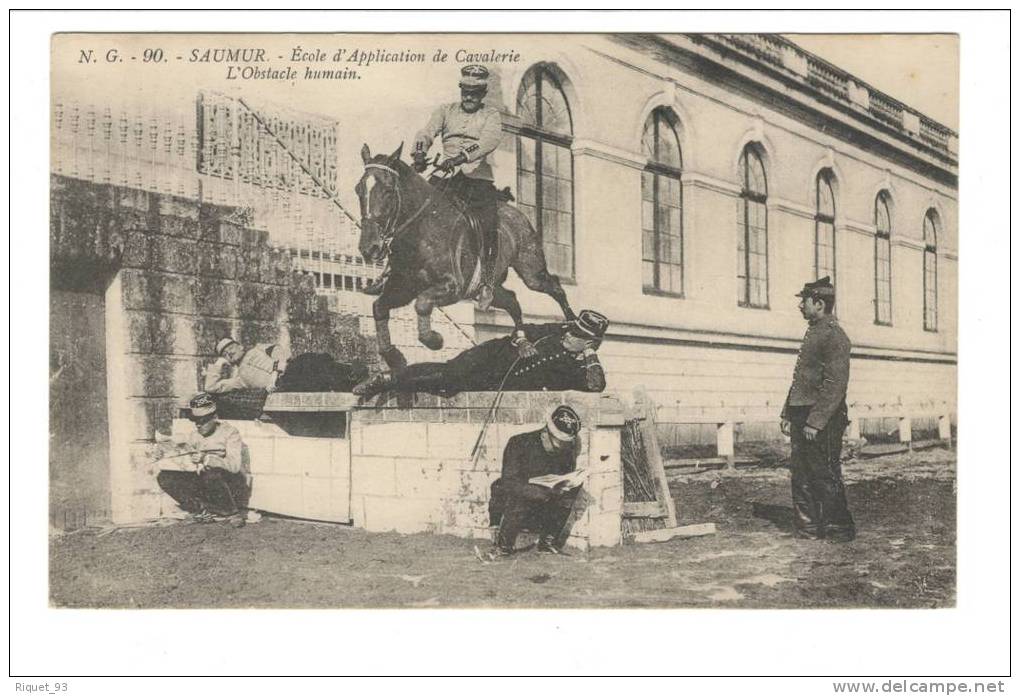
x=815, y=417
x=469, y=130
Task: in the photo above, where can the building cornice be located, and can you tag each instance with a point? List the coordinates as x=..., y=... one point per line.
x=709, y=183
x=593, y=148
x=783, y=205
x=796, y=91
x=645, y=333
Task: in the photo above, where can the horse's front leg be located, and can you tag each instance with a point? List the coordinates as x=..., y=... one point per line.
x=436, y=296
x=507, y=300
x=395, y=360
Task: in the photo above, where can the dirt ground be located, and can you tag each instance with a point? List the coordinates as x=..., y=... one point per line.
x=904, y=556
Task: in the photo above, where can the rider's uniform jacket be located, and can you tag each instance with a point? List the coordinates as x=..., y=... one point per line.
x=473, y=135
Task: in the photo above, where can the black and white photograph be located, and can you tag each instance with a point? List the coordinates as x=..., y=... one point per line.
x=522, y=320
x=301, y=311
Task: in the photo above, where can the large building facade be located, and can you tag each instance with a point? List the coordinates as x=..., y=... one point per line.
x=684, y=185
x=687, y=186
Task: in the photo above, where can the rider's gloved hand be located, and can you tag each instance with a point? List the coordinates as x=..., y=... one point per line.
x=420, y=162
x=451, y=162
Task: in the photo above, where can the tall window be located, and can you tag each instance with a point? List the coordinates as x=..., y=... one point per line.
x=662, y=237
x=883, y=261
x=931, y=272
x=545, y=167
x=825, y=227
x=752, y=235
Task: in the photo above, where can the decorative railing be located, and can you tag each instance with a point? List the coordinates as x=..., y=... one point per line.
x=827, y=79
x=838, y=84
x=219, y=157
x=219, y=153
x=766, y=46
x=935, y=134
x=885, y=109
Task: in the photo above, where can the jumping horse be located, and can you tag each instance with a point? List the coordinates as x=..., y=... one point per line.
x=434, y=253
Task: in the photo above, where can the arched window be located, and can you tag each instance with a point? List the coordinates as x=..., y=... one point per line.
x=545, y=167
x=883, y=261
x=662, y=235
x=753, y=234
x=825, y=227
x=931, y=272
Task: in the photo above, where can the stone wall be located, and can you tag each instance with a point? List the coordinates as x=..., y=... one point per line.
x=179, y=274
x=412, y=469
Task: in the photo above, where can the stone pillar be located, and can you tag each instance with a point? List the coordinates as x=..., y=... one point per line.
x=795, y=61
x=911, y=122
x=117, y=405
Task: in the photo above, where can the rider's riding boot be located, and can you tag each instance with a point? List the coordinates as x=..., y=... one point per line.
x=488, y=260
x=376, y=286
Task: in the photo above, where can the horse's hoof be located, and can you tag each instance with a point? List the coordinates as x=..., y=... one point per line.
x=394, y=359
x=432, y=340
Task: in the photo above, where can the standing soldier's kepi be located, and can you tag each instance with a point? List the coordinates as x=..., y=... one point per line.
x=815, y=417
x=469, y=131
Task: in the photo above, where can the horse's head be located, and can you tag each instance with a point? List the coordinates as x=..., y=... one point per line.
x=379, y=197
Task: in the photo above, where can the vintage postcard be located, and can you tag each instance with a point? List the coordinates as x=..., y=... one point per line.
x=503, y=320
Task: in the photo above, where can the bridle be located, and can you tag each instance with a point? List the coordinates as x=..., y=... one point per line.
x=391, y=230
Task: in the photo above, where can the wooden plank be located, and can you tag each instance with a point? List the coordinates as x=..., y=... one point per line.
x=647, y=427
x=690, y=530
x=651, y=508
x=708, y=462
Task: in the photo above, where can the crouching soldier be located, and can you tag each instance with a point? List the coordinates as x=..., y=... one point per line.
x=218, y=487
x=517, y=504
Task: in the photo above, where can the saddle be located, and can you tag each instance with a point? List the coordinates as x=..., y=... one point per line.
x=473, y=207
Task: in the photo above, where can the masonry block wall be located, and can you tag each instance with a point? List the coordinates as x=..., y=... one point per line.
x=412, y=468
x=179, y=274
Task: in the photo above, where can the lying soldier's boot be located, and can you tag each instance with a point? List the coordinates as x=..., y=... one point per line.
x=485, y=297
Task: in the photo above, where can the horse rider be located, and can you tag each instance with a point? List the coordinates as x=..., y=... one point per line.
x=469, y=131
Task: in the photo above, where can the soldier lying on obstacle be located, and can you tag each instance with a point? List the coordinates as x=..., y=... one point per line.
x=564, y=358
x=240, y=380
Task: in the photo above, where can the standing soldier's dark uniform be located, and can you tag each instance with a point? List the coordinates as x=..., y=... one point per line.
x=815, y=416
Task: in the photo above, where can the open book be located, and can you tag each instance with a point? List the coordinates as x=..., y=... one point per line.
x=566, y=481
